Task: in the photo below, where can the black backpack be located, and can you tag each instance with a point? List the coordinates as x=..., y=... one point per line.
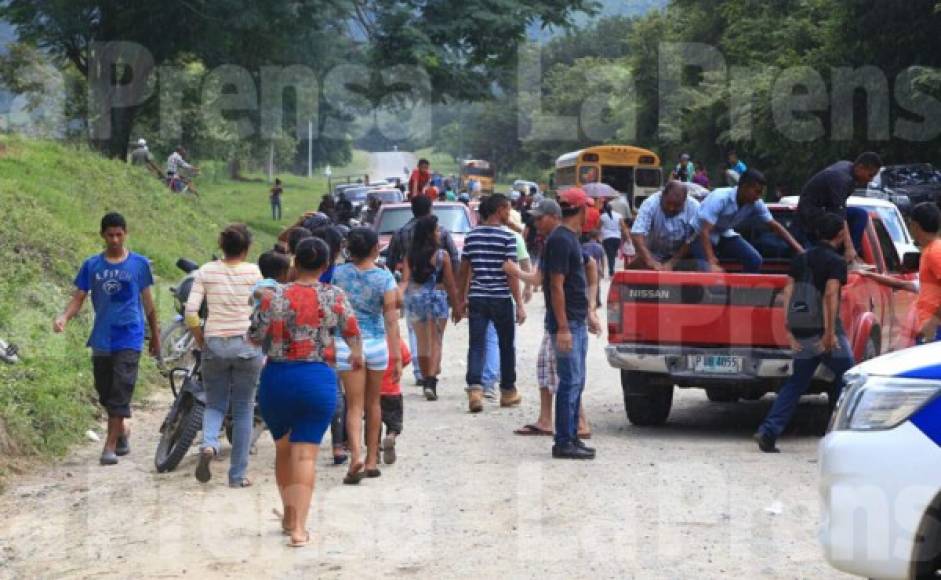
x=805, y=308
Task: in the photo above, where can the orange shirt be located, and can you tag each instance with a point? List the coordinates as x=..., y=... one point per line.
x=929, y=296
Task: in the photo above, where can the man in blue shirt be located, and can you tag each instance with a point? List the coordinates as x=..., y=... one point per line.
x=119, y=282
x=722, y=211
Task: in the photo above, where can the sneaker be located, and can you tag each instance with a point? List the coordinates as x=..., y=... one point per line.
x=571, y=451
x=388, y=449
x=510, y=398
x=766, y=443
x=123, y=447
x=203, y=474
x=475, y=402
x=108, y=458
x=490, y=394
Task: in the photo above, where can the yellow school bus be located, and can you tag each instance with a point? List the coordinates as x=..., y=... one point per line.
x=479, y=171
x=633, y=171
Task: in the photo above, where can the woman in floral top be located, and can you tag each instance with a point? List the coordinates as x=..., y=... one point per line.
x=296, y=326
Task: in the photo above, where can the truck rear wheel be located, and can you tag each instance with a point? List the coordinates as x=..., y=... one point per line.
x=646, y=404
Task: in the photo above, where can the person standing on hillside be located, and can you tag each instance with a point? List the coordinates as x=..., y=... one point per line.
x=141, y=155
x=419, y=179
x=119, y=282
x=275, y=197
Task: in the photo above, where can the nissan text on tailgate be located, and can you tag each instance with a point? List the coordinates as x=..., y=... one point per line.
x=725, y=332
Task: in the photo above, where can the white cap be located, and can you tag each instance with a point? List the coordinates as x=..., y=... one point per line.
x=141, y=143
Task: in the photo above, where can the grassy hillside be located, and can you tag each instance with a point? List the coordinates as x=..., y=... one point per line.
x=53, y=196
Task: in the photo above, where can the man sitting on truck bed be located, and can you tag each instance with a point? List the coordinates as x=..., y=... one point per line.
x=816, y=334
x=666, y=224
x=722, y=211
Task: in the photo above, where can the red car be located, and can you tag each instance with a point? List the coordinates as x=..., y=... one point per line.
x=455, y=217
x=725, y=333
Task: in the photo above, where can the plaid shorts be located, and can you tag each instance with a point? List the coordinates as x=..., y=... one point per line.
x=545, y=365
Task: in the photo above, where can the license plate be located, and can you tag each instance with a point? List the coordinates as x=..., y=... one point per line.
x=715, y=364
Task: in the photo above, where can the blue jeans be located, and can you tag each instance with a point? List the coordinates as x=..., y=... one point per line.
x=491, y=373
x=572, y=373
x=413, y=347
x=482, y=312
x=856, y=220
x=805, y=365
x=230, y=369
x=734, y=248
x=276, y=210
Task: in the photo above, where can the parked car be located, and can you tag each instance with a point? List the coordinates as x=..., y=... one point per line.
x=455, y=217
x=917, y=182
x=880, y=469
x=725, y=332
x=889, y=213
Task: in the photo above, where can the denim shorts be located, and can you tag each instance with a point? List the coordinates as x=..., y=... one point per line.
x=426, y=305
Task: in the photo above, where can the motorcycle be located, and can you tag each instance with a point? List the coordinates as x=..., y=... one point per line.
x=176, y=340
x=184, y=420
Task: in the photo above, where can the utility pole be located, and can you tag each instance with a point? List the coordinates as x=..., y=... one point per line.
x=310, y=149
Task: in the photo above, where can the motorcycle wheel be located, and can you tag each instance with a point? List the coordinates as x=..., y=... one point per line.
x=178, y=433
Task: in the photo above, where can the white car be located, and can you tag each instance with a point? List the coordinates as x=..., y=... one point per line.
x=880, y=469
x=889, y=214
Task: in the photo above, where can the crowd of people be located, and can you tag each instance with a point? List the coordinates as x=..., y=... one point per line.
x=312, y=329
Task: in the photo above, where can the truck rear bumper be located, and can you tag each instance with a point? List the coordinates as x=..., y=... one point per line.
x=756, y=364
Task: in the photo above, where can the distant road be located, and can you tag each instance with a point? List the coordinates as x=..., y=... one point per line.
x=391, y=164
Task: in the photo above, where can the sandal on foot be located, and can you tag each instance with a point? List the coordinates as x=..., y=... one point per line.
x=244, y=482
x=340, y=459
x=285, y=531
x=355, y=475
x=295, y=544
x=533, y=430
x=203, y=474
x=373, y=473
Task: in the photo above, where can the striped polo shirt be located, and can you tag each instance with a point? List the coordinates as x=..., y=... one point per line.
x=228, y=293
x=487, y=248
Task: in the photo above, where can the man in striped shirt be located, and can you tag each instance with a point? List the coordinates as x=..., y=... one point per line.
x=489, y=291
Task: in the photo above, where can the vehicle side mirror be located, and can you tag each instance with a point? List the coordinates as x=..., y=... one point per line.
x=911, y=262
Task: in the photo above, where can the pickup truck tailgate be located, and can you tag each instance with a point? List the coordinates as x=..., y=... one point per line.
x=694, y=308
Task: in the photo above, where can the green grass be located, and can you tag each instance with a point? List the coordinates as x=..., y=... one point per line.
x=54, y=196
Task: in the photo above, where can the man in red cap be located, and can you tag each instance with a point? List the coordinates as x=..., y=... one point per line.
x=565, y=284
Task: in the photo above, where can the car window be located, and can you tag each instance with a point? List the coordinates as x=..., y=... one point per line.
x=891, y=255
x=452, y=218
x=893, y=224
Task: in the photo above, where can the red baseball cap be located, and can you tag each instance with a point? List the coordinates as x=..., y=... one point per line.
x=576, y=197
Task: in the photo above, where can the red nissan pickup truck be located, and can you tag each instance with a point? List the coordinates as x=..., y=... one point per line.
x=725, y=332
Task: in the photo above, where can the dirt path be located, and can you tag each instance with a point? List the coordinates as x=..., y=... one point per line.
x=466, y=499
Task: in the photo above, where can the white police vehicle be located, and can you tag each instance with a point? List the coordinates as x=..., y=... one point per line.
x=880, y=468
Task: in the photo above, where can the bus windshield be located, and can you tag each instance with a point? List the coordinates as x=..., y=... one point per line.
x=481, y=171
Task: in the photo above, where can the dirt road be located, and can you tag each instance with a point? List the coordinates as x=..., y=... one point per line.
x=466, y=499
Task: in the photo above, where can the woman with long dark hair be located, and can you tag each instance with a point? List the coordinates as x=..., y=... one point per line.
x=429, y=285
x=296, y=326
x=610, y=234
x=374, y=296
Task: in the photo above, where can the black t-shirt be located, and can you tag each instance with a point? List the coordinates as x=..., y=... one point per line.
x=825, y=264
x=563, y=255
x=826, y=192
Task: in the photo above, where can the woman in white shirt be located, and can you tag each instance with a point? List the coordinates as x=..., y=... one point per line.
x=610, y=234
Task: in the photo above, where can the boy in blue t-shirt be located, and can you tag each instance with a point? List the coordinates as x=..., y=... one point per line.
x=119, y=282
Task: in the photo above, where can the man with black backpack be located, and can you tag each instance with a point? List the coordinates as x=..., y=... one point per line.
x=812, y=299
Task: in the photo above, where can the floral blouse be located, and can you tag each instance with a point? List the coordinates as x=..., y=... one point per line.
x=299, y=323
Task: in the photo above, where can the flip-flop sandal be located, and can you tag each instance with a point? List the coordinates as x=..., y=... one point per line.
x=373, y=473
x=532, y=431
x=293, y=544
x=280, y=516
x=340, y=459
x=355, y=475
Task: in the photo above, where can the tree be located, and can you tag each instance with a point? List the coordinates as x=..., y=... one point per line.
x=221, y=31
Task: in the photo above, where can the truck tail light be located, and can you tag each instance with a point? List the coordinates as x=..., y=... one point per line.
x=615, y=323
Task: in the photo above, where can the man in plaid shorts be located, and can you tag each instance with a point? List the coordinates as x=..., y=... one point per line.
x=547, y=216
